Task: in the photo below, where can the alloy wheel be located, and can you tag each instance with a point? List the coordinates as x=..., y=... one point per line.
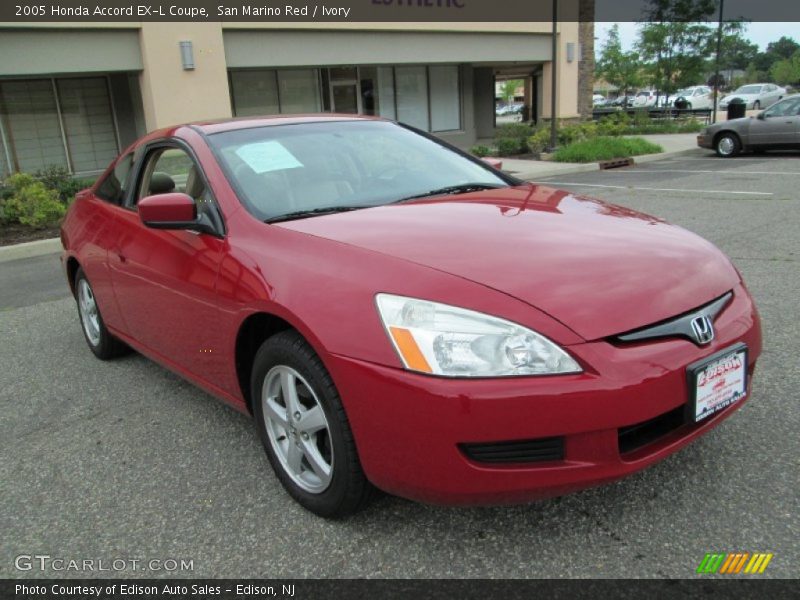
x=90, y=317
x=297, y=429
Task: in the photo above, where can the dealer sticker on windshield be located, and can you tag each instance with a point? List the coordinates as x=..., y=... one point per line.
x=717, y=382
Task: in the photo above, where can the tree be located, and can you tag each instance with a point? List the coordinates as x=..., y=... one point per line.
x=508, y=89
x=786, y=71
x=674, y=39
x=784, y=48
x=736, y=52
x=762, y=63
x=619, y=68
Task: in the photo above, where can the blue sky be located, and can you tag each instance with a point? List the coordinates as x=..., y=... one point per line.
x=759, y=33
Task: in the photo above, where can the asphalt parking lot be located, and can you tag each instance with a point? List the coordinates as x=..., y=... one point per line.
x=124, y=459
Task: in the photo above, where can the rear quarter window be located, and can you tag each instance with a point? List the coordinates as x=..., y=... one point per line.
x=113, y=187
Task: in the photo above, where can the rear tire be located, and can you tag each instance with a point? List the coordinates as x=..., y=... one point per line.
x=304, y=428
x=727, y=145
x=100, y=341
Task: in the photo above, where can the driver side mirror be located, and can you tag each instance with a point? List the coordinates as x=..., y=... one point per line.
x=173, y=210
x=761, y=116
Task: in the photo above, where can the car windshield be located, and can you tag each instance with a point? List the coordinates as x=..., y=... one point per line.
x=749, y=89
x=297, y=170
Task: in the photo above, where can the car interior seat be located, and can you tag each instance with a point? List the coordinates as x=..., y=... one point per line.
x=161, y=183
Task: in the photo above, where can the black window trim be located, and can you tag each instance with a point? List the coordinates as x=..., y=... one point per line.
x=140, y=161
x=110, y=173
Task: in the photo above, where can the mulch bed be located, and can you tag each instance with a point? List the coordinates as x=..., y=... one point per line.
x=16, y=234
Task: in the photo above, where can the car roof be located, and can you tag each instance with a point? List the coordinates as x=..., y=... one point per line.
x=212, y=126
x=220, y=125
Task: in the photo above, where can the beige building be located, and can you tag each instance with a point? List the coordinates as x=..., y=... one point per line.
x=76, y=94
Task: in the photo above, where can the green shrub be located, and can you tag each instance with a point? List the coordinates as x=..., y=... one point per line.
x=576, y=132
x=641, y=118
x=539, y=141
x=512, y=138
x=481, y=151
x=18, y=182
x=616, y=124
x=58, y=178
x=513, y=130
x=510, y=146
x=605, y=148
x=31, y=202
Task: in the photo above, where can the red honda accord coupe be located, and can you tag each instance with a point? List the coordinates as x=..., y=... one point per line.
x=398, y=314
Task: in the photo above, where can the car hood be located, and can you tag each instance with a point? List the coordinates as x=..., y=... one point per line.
x=737, y=124
x=597, y=268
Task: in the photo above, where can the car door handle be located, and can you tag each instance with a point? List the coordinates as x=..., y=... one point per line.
x=121, y=257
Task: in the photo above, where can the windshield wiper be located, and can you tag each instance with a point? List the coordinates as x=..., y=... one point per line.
x=312, y=212
x=462, y=188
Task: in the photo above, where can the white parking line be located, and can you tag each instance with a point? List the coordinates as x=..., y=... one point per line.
x=732, y=161
x=652, y=189
x=718, y=171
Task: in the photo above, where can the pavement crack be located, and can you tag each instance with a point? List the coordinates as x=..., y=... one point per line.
x=602, y=526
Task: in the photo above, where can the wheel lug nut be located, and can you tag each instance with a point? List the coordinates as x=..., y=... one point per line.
x=305, y=435
x=297, y=416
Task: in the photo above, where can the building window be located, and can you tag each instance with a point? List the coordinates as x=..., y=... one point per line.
x=31, y=125
x=411, y=92
x=445, y=99
x=62, y=122
x=88, y=122
x=428, y=98
x=386, y=100
x=255, y=93
x=299, y=91
x=271, y=92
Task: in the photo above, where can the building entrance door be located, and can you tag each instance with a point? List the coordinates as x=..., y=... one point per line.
x=345, y=96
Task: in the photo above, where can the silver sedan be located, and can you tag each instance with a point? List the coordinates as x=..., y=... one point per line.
x=755, y=95
x=776, y=128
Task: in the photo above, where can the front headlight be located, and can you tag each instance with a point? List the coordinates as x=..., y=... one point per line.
x=455, y=342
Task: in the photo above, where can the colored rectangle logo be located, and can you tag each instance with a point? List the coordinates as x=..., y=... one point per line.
x=735, y=563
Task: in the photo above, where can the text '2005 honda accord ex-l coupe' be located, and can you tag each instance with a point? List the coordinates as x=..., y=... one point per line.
x=396, y=313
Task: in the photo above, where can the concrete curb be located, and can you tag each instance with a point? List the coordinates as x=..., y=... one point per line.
x=647, y=158
x=29, y=249
x=588, y=167
x=562, y=170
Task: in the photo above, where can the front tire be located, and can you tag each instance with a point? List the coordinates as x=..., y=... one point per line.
x=304, y=428
x=100, y=341
x=728, y=145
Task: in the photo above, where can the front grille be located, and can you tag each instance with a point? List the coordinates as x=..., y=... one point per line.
x=680, y=326
x=519, y=451
x=635, y=436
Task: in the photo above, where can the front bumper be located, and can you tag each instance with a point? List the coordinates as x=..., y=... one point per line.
x=408, y=427
x=705, y=140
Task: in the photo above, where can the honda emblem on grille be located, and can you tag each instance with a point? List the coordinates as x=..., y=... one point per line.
x=703, y=329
